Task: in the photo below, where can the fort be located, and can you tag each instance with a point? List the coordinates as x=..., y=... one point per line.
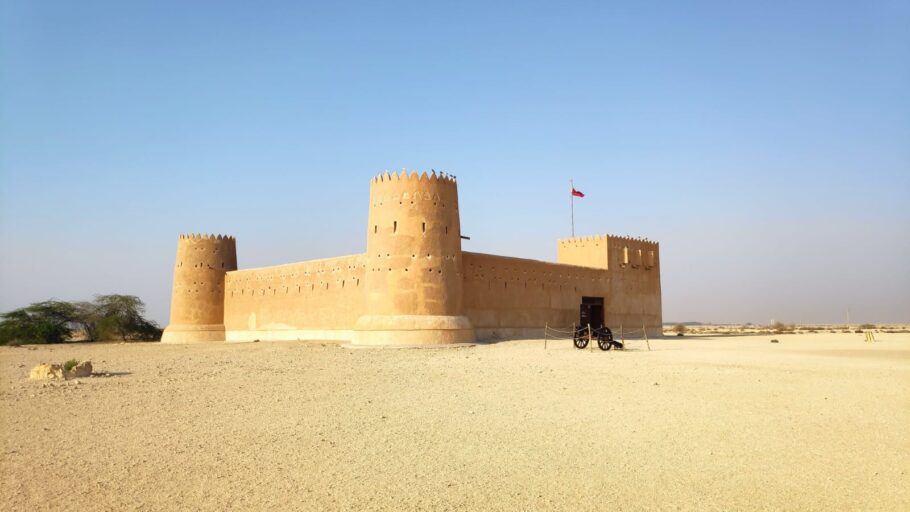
x=414, y=285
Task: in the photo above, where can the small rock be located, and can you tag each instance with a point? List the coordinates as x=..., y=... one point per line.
x=46, y=371
x=83, y=369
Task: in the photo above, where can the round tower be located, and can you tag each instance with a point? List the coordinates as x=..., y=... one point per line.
x=413, y=281
x=197, y=299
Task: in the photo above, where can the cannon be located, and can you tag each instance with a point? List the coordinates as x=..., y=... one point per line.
x=602, y=334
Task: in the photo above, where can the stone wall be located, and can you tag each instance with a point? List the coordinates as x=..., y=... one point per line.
x=514, y=297
x=197, y=295
x=311, y=300
x=414, y=285
x=414, y=265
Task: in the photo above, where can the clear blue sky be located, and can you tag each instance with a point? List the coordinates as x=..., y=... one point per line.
x=766, y=146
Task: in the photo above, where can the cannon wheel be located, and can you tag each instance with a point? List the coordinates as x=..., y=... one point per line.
x=604, y=344
x=580, y=342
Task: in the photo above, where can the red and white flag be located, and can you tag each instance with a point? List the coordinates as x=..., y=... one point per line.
x=577, y=193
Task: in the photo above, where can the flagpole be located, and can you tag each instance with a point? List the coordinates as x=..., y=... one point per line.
x=572, y=204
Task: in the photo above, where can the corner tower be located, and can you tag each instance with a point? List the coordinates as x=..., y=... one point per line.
x=413, y=281
x=197, y=299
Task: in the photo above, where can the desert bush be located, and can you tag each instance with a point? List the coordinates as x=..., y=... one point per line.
x=41, y=322
x=108, y=317
x=120, y=317
x=679, y=329
x=867, y=327
x=69, y=365
x=780, y=327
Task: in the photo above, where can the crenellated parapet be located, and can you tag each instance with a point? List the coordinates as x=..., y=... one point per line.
x=413, y=176
x=594, y=239
x=204, y=236
x=414, y=190
x=633, y=253
x=197, y=297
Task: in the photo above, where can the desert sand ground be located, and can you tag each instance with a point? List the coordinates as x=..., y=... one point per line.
x=816, y=422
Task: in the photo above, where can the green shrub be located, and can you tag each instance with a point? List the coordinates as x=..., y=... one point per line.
x=108, y=317
x=41, y=322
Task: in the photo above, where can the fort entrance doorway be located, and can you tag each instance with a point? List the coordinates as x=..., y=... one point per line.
x=591, y=311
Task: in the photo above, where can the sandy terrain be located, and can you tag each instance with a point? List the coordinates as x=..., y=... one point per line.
x=816, y=422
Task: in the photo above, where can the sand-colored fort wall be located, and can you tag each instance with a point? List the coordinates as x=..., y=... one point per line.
x=197, y=296
x=635, y=267
x=413, y=269
x=414, y=285
x=506, y=297
x=590, y=252
x=311, y=300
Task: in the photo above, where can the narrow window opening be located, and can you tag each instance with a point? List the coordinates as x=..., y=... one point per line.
x=395, y=226
x=423, y=227
x=375, y=229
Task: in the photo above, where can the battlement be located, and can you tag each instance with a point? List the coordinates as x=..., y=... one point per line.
x=413, y=177
x=595, y=239
x=205, y=236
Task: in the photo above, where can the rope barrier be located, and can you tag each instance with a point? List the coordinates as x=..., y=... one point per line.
x=560, y=334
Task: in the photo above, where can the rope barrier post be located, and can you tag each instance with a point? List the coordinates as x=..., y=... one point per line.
x=545, y=326
x=590, y=344
x=645, y=330
x=622, y=337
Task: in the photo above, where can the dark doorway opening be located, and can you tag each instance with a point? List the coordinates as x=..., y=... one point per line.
x=591, y=312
